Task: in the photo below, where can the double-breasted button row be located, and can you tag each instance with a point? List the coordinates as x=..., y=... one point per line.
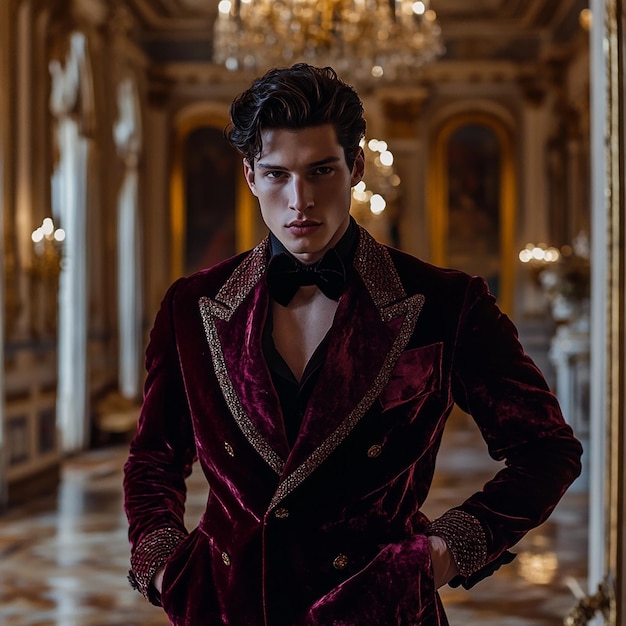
x=340, y=562
x=374, y=451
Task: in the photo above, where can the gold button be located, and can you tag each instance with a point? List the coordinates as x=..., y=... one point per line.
x=226, y=558
x=281, y=513
x=229, y=449
x=374, y=451
x=340, y=562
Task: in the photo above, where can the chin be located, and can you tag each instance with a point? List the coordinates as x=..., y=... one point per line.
x=302, y=247
x=307, y=255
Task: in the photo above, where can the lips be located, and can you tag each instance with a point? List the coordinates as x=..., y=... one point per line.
x=302, y=224
x=302, y=227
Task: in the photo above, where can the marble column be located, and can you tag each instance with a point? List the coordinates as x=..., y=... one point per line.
x=598, y=445
x=569, y=353
x=127, y=133
x=69, y=80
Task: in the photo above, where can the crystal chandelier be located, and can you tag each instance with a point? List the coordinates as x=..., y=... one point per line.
x=363, y=39
x=374, y=199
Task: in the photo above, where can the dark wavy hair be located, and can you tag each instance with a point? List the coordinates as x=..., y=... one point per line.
x=297, y=97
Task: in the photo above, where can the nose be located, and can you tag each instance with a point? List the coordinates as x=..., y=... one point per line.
x=301, y=195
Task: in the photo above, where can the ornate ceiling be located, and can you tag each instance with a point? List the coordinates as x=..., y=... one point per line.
x=486, y=31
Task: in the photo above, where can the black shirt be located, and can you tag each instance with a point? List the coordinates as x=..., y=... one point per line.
x=293, y=394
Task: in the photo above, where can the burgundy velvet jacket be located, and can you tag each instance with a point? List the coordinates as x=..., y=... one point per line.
x=330, y=532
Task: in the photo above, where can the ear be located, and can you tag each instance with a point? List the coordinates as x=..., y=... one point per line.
x=248, y=173
x=358, y=169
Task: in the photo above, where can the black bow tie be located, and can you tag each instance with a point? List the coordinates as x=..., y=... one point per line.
x=285, y=276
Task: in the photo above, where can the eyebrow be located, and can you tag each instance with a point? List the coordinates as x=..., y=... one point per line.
x=326, y=161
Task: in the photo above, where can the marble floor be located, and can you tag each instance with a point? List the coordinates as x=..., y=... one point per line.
x=64, y=557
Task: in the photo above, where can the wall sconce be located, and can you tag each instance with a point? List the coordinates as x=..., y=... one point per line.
x=563, y=275
x=539, y=255
x=48, y=244
x=48, y=248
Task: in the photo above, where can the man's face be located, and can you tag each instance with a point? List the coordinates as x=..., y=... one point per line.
x=303, y=184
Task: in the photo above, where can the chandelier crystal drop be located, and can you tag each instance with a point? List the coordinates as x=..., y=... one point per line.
x=362, y=39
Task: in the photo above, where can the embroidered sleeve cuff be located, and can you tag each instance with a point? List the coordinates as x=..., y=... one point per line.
x=149, y=554
x=465, y=538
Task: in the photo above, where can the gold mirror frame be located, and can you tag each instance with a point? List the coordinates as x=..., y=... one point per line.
x=438, y=200
x=244, y=204
x=616, y=309
x=609, y=326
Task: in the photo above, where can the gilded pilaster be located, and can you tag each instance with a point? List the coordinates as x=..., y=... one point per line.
x=616, y=341
x=5, y=141
x=7, y=148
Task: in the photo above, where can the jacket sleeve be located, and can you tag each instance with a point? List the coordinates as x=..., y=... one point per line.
x=521, y=422
x=160, y=459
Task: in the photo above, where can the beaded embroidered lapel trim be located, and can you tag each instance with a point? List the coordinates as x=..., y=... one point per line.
x=376, y=269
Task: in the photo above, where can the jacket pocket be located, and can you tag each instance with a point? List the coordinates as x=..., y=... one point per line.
x=395, y=588
x=188, y=591
x=417, y=373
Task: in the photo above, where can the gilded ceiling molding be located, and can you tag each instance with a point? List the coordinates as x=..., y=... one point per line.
x=401, y=109
x=164, y=16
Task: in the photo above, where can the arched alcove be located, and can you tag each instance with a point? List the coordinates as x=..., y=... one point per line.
x=471, y=200
x=213, y=213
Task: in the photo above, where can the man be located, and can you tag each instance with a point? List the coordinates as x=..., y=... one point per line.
x=312, y=378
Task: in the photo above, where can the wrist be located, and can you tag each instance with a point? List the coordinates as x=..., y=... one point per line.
x=444, y=566
x=157, y=579
x=149, y=555
x=464, y=538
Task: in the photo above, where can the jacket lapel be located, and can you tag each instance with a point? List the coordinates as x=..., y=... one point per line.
x=233, y=323
x=363, y=349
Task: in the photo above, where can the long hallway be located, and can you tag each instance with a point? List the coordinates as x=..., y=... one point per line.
x=64, y=558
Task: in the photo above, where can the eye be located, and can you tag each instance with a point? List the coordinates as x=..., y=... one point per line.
x=323, y=170
x=275, y=174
